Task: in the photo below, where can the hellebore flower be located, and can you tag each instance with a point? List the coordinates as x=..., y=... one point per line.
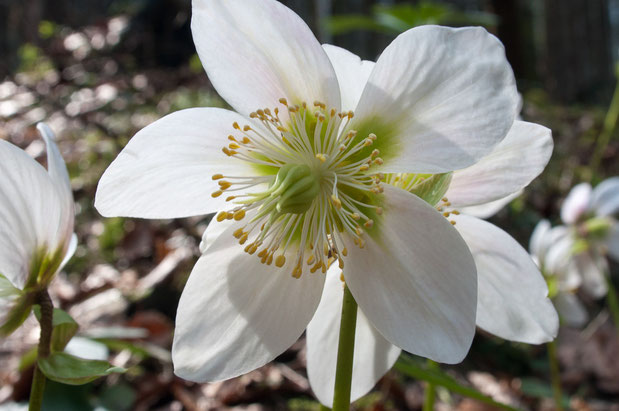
x=512, y=294
x=36, y=226
x=300, y=181
x=589, y=215
x=551, y=249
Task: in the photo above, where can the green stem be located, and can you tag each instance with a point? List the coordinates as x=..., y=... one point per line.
x=610, y=123
x=430, y=393
x=324, y=408
x=345, y=352
x=613, y=301
x=555, y=375
x=38, y=381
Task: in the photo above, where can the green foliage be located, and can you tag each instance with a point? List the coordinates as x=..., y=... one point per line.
x=397, y=18
x=113, y=233
x=540, y=389
x=19, y=308
x=410, y=367
x=64, y=328
x=47, y=29
x=67, y=369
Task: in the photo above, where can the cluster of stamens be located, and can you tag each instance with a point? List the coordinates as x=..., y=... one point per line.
x=444, y=208
x=318, y=190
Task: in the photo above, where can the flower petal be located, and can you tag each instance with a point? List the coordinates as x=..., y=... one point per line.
x=592, y=268
x=416, y=280
x=510, y=167
x=487, y=210
x=352, y=74
x=256, y=52
x=373, y=355
x=32, y=214
x=605, y=197
x=576, y=203
x=438, y=99
x=512, y=295
x=537, y=244
x=236, y=314
x=571, y=309
x=166, y=169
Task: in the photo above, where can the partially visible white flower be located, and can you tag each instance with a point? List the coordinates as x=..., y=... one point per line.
x=551, y=249
x=590, y=216
x=512, y=294
x=36, y=226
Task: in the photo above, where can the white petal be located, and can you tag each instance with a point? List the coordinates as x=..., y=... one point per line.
x=537, y=243
x=166, y=169
x=32, y=214
x=613, y=241
x=71, y=248
x=512, y=297
x=439, y=98
x=416, y=280
x=352, y=74
x=571, y=309
x=487, y=210
x=593, y=269
x=605, y=198
x=510, y=167
x=56, y=166
x=256, y=52
x=236, y=314
x=373, y=355
x=576, y=203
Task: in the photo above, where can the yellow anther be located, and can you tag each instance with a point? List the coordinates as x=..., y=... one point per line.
x=280, y=260
x=342, y=278
x=236, y=126
x=345, y=252
x=350, y=114
x=358, y=230
x=238, y=232
x=239, y=215
x=340, y=263
x=321, y=157
x=283, y=101
x=378, y=161
x=372, y=136
x=224, y=185
x=243, y=238
x=444, y=199
x=230, y=198
x=246, y=140
x=455, y=212
x=260, y=112
x=298, y=270
x=229, y=216
x=316, y=267
x=216, y=194
x=336, y=202
x=246, y=128
x=270, y=259
x=310, y=260
x=253, y=115
x=446, y=214
x=221, y=216
x=364, y=167
x=355, y=216
x=447, y=204
x=453, y=222
x=217, y=176
x=323, y=269
x=342, y=147
x=267, y=111
x=369, y=224
x=367, y=142
x=231, y=138
x=375, y=152
x=233, y=146
x=263, y=252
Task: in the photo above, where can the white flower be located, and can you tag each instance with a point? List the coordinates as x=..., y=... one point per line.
x=303, y=176
x=512, y=294
x=551, y=249
x=589, y=215
x=36, y=226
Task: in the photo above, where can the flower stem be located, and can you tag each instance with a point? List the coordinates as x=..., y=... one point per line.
x=610, y=124
x=555, y=375
x=345, y=352
x=430, y=393
x=613, y=301
x=38, y=381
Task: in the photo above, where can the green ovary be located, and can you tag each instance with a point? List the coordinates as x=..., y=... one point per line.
x=296, y=187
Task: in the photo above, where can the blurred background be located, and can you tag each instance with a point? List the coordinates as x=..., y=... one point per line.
x=99, y=70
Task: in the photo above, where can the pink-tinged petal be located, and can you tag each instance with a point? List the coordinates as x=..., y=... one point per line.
x=352, y=74
x=166, y=169
x=512, y=294
x=576, y=203
x=373, y=356
x=487, y=210
x=571, y=310
x=416, y=274
x=256, y=52
x=439, y=99
x=33, y=214
x=510, y=167
x=605, y=197
x=236, y=314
